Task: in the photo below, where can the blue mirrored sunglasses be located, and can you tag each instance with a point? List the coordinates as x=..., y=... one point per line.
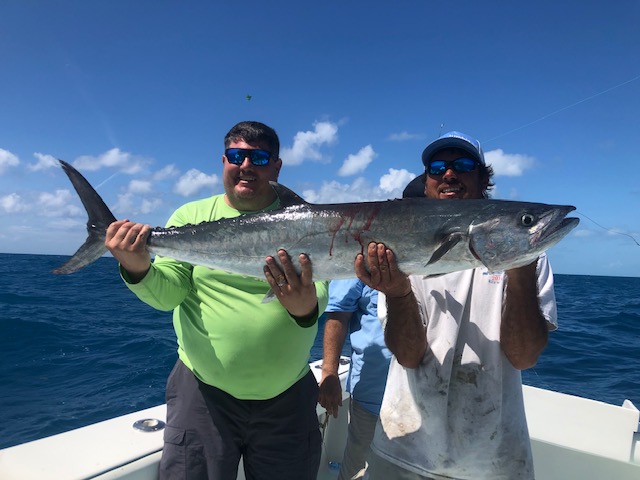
x=459, y=165
x=256, y=156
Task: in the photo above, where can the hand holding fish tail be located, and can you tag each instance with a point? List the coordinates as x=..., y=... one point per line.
x=296, y=293
x=127, y=243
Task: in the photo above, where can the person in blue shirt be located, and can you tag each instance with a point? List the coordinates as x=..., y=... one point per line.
x=353, y=309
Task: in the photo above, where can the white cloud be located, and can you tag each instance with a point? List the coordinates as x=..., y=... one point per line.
x=139, y=186
x=335, y=192
x=57, y=204
x=306, y=144
x=508, y=164
x=615, y=231
x=357, y=163
x=71, y=225
x=124, y=204
x=166, y=172
x=404, y=136
x=193, y=181
x=7, y=159
x=582, y=233
x=13, y=203
x=395, y=181
x=149, y=205
x=61, y=203
x=44, y=162
x=390, y=186
x=114, y=158
x=129, y=204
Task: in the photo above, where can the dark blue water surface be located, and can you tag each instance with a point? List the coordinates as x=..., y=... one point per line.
x=82, y=348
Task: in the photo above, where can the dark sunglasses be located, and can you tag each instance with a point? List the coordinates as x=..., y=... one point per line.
x=459, y=165
x=256, y=156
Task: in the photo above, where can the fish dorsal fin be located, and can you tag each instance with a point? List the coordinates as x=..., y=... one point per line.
x=449, y=242
x=287, y=197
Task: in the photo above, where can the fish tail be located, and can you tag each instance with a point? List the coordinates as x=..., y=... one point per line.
x=100, y=217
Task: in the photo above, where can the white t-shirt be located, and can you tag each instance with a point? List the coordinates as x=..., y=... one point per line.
x=460, y=414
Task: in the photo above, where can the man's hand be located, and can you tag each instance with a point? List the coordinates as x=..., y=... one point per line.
x=404, y=332
x=296, y=293
x=127, y=242
x=383, y=274
x=330, y=394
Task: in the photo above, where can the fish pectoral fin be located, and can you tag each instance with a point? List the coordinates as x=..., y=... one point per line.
x=449, y=242
x=270, y=296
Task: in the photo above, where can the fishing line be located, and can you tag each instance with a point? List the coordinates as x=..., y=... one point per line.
x=610, y=230
x=544, y=117
x=591, y=97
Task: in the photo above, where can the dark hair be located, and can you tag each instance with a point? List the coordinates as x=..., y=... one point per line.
x=486, y=171
x=415, y=188
x=254, y=133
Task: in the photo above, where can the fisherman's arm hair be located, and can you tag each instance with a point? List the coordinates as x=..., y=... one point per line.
x=405, y=333
x=524, y=332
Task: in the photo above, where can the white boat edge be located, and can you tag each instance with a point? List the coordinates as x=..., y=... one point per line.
x=571, y=438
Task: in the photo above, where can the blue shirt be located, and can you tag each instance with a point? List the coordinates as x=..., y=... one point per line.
x=370, y=357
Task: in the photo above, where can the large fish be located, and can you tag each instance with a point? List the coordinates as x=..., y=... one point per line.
x=429, y=237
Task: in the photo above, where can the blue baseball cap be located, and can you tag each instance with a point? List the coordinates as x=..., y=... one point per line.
x=454, y=140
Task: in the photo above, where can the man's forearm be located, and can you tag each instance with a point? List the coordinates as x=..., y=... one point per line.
x=524, y=332
x=405, y=334
x=335, y=333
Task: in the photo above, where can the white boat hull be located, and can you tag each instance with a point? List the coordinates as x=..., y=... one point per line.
x=571, y=438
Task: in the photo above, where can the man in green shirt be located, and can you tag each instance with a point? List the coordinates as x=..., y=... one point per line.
x=242, y=386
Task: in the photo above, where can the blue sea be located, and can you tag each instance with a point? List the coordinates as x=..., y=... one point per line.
x=80, y=349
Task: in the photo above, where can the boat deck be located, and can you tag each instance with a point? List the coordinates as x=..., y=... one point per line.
x=571, y=437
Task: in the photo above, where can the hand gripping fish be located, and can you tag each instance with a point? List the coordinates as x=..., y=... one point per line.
x=428, y=237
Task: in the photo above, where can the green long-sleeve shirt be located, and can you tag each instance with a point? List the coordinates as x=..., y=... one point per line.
x=226, y=336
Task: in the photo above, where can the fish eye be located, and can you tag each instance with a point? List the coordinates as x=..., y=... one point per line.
x=527, y=219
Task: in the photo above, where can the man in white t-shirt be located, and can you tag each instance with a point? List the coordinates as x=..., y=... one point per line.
x=453, y=406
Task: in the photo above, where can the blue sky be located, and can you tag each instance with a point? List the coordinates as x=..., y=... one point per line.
x=139, y=95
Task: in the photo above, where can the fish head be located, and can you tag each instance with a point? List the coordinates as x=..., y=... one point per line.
x=514, y=234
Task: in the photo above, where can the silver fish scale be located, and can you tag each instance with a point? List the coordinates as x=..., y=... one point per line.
x=332, y=236
x=429, y=237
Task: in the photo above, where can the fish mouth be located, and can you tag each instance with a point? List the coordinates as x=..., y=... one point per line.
x=500, y=244
x=555, y=228
x=555, y=234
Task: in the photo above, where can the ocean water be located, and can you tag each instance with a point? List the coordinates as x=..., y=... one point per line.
x=82, y=348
